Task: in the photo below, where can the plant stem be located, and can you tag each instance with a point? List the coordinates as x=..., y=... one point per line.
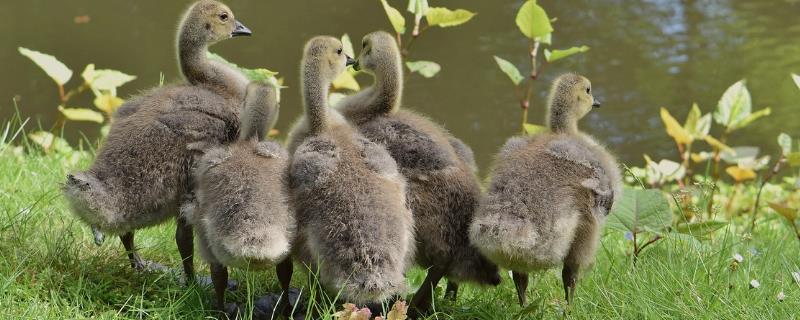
x=715, y=173
x=775, y=169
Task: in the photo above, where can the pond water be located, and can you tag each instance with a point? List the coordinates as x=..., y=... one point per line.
x=644, y=55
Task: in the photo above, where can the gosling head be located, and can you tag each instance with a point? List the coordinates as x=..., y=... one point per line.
x=570, y=100
x=209, y=21
x=378, y=49
x=323, y=56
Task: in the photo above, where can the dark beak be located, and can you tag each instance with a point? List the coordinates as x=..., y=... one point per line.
x=240, y=30
x=350, y=61
x=596, y=103
x=357, y=66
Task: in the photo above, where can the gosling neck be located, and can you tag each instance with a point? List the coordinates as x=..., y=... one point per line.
x=198, y=69
x=561, y=120
x=388, y=87
x=315, y=99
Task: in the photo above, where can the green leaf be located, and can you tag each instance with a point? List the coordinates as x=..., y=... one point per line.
x=108, y=103
x=54, y=68
x=788, y=213
x=81, y=114
x=793, y=159
x=734, y=106
x=674, y=129
x=49, y=142
x=697, y=124
x=555, y=55
x=640, y=210
x=546, y=39
x=347, y=46
x=739, y=154
x=444, y=17
x=532, y=129
x=700, y=230
x=108, y=80
x=752, y=117
x=259, y=74
x=346, y=81
x=395, y=18
x=796, y=79
x=532, y=20
x=510, y=70
x=418, y=7
x=716, y=144
x=427, y=69
x=785, y=141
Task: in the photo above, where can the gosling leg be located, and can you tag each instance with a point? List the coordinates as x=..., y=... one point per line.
x=184, y=238
x=219, y=278
x=284, y=271
x=452, y=290
x=421, y=302
x=569, y=275
x=136, y=261
x=521, y=282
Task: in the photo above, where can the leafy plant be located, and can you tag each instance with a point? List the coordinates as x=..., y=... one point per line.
x=433, y=17
x=534, y=23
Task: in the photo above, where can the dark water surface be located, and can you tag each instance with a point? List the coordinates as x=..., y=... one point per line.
x=645, y=55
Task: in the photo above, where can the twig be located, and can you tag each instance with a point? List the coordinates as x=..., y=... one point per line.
x=775, y=169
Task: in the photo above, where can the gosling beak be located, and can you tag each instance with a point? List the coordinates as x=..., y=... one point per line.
x=350, y=61
x=596, y=103
x=240, y=30
x=356, y=66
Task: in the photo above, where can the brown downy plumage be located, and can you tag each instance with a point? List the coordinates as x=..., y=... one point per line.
x=142, y=171
x=354, y=226
x=549, y=194
x=443, y=192
x=242, y=215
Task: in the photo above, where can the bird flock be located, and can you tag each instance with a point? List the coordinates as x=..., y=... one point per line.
x=361, y=191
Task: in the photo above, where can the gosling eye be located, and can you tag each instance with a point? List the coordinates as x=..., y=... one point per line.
x=223, y=16
x=339, y=51
x=589, y=90
x=364, y=44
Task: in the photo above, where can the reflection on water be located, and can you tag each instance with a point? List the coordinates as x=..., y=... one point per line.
x=645, y=55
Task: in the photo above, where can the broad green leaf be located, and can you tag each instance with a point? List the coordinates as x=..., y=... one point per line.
x=54, y=68
x=674, y=129
x=700, y=230
x=716, y=144
x=418, y=7
x=740, y=174
x=796, y=79
x=545, y=39
x=510, y=70
x=107, y=80
x=555, y=55
x=444, y=17
x=427, y=69
x=49, y=142
x=697, y=124
x=692, y=118
x=532, y=129
x=88, y=73
x=754, y=164
x=346, y=81
x=640, y=210
x=734, y=106
x=532, y=20
x=785, y=141
x=793, y=159
x=108, y=103
x=739, y=153
x=347, y=46
x=788, y=213
x=665, y=170
x=395, y=18
x=81, y=114
x=751, y=117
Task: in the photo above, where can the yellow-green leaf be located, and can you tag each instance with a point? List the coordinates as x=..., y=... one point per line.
x=750, y=118
x=554, y=55
x=54, y=68
x=347, y=46
x=716, y=144
x=674, y=129
x=734, y=106
x=788, y=213
x=701, y=156
x=796, y=79
x=418, y=7
x=444, y=17
x=88, y=73
x=346, y=81
x=108, y=103
x=793, y=159
x=509, y=69
x=108, y=80
x=740, y=174
x=49, y=142
x=395, y=18
x=532, y=20
x=785, y=141
x=81, y=114
x=532, y=129
x=427, y=69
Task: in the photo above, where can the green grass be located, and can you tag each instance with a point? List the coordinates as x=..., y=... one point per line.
x=51, y=269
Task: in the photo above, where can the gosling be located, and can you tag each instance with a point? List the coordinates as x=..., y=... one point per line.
x=142, y=172
x=549, y=194
x=242, y=214
x=443, y=192
x=349, y=197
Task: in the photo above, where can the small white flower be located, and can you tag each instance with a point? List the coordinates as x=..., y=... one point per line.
x=738, y=258
x=796, y=276
x=754, y=284
x=781, y=296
